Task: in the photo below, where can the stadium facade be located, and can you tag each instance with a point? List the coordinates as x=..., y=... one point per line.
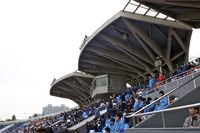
x=146, y=37
x=128, y=45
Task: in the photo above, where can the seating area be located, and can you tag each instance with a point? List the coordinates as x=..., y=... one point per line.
x=181, y=70
x=134, y=72
x=64, y=119
x=118, y=106
x=2, y=126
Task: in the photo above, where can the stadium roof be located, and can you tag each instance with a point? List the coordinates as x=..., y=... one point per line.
x=129, y=43
x=186, y=11
x=74, y=86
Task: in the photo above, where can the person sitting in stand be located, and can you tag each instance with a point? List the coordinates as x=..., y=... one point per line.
x=107, y=130
x=119, y=124
x=126, y=125
x=160, y=78
x=138, y=104
x=194, y=118
x=158, y=106
x=151, y=82
x=110, y=125
x=163, y=101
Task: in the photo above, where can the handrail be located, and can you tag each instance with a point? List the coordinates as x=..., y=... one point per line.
x=5, y=128
x=175, y=76
x=167, y=71
x=170, y=109
x=168, y=93
x=165, y=81
x=35, y=118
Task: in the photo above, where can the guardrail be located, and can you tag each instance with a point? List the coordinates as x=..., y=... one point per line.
x=166, y=95
x=5, y=128
x=171, y=79
x=78, y=125
x=167, y=110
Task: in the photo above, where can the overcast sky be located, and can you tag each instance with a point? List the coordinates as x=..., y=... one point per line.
x=39, y=41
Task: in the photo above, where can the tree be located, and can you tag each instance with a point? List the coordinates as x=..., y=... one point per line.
x=35, y=115
x=7, y=120
x=13, y=118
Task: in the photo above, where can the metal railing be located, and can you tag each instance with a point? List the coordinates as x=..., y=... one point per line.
x=168, y=110
x=166, y=95
x=174, y=77
x=170, y=80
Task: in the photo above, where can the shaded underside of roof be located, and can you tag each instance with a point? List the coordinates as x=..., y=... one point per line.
x=186, y=11
x=74, y=86
x=128, y=44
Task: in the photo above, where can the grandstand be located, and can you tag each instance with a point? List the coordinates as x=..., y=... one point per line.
x=74, y=86
x=146, y=45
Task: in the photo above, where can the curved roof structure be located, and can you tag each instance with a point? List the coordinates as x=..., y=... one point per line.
x=74, y=86
x=128, y=44
x=186, y=11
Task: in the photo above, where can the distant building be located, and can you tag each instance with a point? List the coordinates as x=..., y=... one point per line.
x=49, y=109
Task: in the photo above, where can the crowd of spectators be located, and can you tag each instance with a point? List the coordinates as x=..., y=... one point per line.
x=2, y=126
x=118, y=106
x=157, y=79
x=61, y=120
